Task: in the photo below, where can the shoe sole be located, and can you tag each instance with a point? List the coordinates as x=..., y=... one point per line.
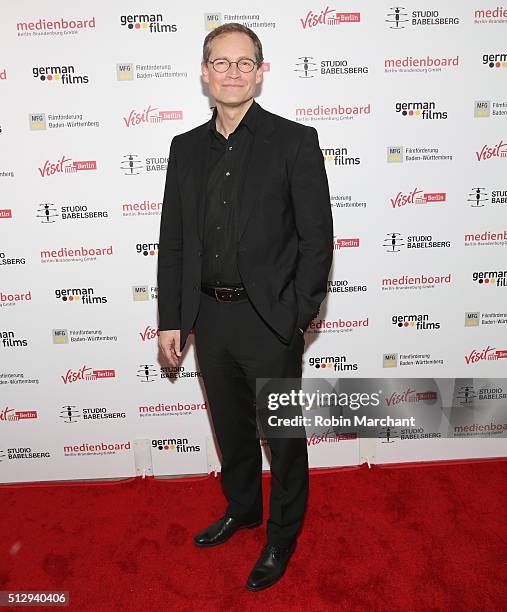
x=251, y=526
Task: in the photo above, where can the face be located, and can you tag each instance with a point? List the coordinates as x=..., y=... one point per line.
x=232, y=88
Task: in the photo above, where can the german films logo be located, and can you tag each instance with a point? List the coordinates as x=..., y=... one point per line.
x=152, y=23
x=65, y=75
x=79, y=295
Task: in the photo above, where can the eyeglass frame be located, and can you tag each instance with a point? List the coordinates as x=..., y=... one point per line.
x=255, y=64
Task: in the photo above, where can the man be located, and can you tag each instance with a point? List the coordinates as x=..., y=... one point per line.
x=244, y=254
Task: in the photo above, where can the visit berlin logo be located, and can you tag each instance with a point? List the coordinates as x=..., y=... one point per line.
x=150, y=115
x=65, y=165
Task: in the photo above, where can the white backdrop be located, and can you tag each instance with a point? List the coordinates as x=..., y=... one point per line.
x=411, y=115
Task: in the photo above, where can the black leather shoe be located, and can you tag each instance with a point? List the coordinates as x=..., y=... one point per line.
x=270, y=566
x=220, y=531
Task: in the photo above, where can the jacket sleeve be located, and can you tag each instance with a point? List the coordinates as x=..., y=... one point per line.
x=314, y=224
x=170, y=248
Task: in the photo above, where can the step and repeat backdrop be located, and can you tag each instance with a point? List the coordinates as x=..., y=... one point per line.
x=410, y=103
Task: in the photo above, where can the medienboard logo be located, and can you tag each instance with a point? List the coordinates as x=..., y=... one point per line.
x=65, y=165
x=212, y=21
x=496, y=15
x=150, y=115
x=422, y=64
x=416, y=196
x=152, y=23
x=66, y=75
x=56, y=27
x=328, y=17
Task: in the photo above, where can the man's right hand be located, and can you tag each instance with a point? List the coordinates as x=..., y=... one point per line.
x=169, y=342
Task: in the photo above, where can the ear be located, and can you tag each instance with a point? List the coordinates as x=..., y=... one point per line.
x=259, y=75
x=205, y=72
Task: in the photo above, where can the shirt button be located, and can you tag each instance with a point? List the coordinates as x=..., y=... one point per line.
x=218, y=226
x=227, y=174
x=216, y=254
x=225, y=202
x=230, y=148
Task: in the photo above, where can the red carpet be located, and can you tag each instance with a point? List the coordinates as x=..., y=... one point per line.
x=423, y=538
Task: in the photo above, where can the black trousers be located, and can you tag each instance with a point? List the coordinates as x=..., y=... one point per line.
x=234, y=346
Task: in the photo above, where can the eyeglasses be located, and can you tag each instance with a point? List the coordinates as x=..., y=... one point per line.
x=222, y=65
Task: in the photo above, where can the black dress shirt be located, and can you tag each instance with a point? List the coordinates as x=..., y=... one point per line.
x=228, y=161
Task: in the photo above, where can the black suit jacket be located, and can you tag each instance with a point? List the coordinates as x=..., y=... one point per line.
x=284, y=232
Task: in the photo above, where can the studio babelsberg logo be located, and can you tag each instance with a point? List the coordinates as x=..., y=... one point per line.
x=7, y=260
x=175, y=445
x=401, y=17
x=72, y=414
x=154, y=23
x=63, y=74
x=420, y=110
x=133, y=164
x=309, y=67
x=49, y=212
x=480, y=196
x=395, y=242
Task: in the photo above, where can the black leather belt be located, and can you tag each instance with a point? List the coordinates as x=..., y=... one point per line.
x=225, y=294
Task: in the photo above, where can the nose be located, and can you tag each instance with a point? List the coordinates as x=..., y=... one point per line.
x=234, y=70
